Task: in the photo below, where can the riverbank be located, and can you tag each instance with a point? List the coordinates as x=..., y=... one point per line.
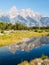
x=44, y=60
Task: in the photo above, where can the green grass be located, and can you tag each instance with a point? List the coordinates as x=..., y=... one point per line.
x=17, y=36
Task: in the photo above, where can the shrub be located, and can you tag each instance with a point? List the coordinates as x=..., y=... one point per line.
x=44, y=57
x=47, y=34
x=35, y=31
x=2, y=31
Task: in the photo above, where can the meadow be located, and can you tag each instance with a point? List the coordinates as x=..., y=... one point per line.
x=10, y=37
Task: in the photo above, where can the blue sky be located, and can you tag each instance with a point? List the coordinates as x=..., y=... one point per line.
x=41, y=6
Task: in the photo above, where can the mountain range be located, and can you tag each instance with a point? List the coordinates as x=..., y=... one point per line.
x=24, y=16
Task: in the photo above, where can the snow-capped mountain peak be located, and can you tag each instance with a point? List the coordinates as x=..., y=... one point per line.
x=27, y=17
x=13, y=12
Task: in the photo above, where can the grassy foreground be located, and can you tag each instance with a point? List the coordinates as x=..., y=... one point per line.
x=17, y=36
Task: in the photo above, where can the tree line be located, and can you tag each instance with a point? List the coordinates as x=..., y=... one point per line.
x=11, y=26
x=18, y=26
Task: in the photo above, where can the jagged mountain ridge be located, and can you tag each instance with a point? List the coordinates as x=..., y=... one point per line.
x=25, y=16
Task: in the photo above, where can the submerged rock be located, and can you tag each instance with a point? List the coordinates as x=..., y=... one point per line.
x=29, y=44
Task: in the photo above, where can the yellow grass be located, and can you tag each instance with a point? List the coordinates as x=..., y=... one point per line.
x=17, y=36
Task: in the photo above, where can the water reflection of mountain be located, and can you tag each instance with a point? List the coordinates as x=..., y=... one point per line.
x=29, y=44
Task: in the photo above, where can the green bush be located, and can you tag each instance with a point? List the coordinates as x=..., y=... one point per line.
x=44, y=56
x=47, y=34
x=2, y=31
x=35, y=30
